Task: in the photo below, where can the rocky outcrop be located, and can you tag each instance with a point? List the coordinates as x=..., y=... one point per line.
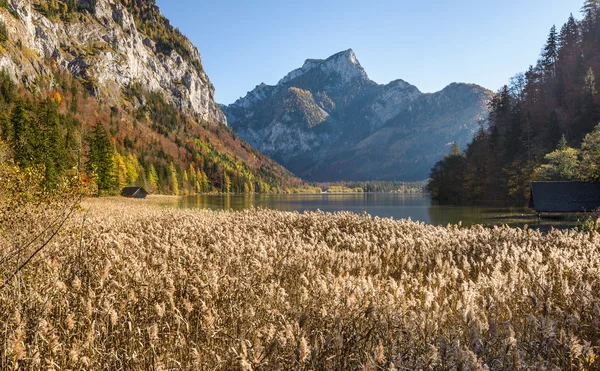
x=102, y=45
x=349, y=127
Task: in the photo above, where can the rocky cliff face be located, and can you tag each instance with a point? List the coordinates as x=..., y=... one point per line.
x=342, y=125
x=101, y=44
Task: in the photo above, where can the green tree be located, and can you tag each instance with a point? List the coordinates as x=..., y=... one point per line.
x=550, y=52
x=186, y=183
x=51, y=149
x=153, y=177
x=446, y=180
x=201, y=182
x=4, y=127
x=7, y=88
x=590, y=83
x=569, y=34
x=100, y=160
x=192, y=177
x=53, y=7
x=132, y=165
x=590, y=11
x=3, y=32
x=476, y=170
x=226, y=183
x=589, y=166
x=561, y=164
x=120, y=170
x=21, y=135
x=174, y=179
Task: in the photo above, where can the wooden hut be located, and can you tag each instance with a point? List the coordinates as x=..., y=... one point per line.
x=565, y=197
x=134, y=192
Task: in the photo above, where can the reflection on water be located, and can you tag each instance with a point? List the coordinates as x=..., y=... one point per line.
x=417, y=207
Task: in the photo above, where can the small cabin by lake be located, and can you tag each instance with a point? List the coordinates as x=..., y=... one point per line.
x=134, y=192
x=565, y=197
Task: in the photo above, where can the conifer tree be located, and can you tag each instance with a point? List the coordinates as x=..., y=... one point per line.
x=21, y=135
x=550, y=53
x=51, y=150
x=4, y=127
x=202, y=181
x=7, y=88
x=226, y=183
x=590, y=11
x=153, y=177
x=120, y=170
x=132, y=165
x=590, y=83
x=569, y=34
x=174, y=180
x=100, y=161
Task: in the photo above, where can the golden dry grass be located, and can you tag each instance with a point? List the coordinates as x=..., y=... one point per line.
x=154, y=288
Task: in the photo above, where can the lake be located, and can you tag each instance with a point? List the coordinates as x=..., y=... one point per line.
x=417, y=207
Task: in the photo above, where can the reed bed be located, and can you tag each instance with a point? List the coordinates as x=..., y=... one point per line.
x=131, y=286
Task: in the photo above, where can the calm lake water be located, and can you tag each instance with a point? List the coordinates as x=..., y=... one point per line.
x=417, y=207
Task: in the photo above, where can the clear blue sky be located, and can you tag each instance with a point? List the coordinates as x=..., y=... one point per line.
x=427, y=43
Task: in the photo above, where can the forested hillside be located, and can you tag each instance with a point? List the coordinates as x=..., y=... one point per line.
x=537, y=124
x=59, y=119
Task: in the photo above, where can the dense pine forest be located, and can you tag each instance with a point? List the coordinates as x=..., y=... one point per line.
x=542, y=125
x=58, y=126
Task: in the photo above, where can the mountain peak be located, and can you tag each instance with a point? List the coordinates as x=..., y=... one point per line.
x=344, y=63
x=346, y=54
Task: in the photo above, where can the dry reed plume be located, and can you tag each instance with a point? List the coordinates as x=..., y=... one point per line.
x=141, y=287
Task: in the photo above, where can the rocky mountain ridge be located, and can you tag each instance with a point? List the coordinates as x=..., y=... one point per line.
x=101, y=44
x=328, y=121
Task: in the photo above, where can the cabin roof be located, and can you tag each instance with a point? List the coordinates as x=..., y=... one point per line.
x=130, y=191
x=565, y=196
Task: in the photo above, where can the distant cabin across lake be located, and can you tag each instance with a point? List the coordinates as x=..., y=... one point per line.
x=565, y=197
x=134, y=192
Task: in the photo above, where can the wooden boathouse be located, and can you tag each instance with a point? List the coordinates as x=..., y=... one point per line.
x=565, y=197
x=134, y=192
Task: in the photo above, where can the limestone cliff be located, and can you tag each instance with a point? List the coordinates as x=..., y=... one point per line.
x=100, y=43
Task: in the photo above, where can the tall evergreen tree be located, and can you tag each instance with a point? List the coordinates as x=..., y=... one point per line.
x=446, y=180
x=7, y=88
x=4, y=127
x=569, y=34
x=101, y=160
x=589, y=87
x=590, y=10
x=21, y=135
x=550, y=53
x=51, y=147
x=153, y=177
x=174, y=180
x=226, y=183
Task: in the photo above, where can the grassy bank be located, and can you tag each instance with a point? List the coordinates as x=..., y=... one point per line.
x=142, y=287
